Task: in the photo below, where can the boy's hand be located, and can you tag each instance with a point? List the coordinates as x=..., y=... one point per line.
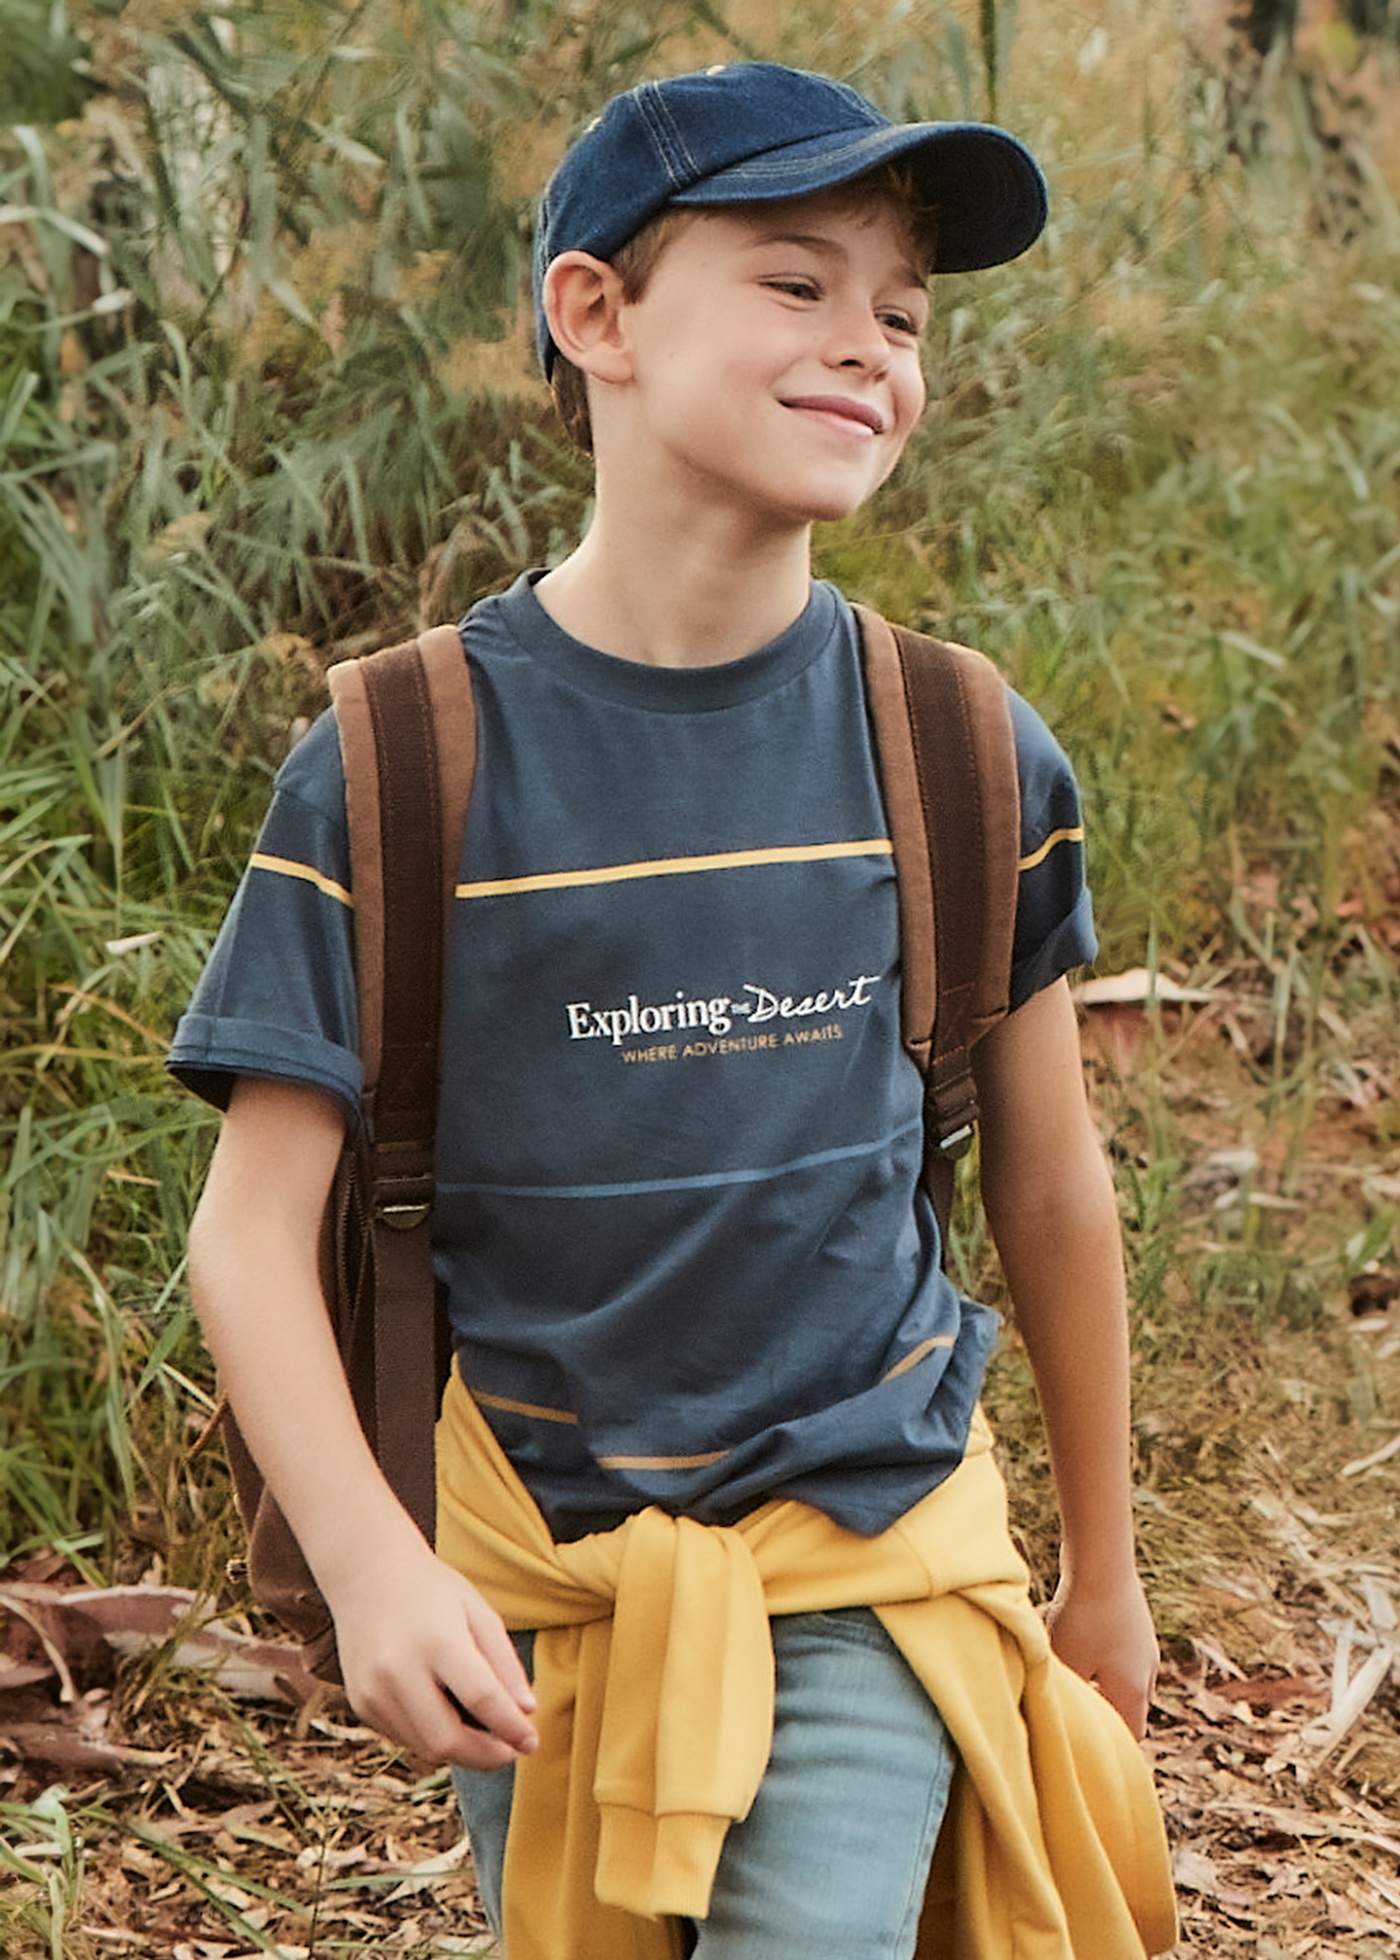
x=410, y=1631
x=1105, y=1633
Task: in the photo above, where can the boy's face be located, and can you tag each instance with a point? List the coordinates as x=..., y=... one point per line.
x=752, y=311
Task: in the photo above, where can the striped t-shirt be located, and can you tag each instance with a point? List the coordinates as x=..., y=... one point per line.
x=686, y=1256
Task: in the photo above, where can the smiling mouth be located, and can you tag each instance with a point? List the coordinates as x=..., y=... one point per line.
x=846, y=424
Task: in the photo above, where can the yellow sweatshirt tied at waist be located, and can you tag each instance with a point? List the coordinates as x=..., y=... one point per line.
x=653, y=1673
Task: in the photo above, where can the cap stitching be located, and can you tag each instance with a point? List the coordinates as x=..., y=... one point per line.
x=795, y=166
x=660, y=135
x=659, y=104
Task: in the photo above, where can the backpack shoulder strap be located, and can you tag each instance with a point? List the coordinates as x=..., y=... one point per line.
x=408, y=749
x=407, y=734
x=947, y=757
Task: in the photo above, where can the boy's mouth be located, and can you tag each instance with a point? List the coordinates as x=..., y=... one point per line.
x=841, y=410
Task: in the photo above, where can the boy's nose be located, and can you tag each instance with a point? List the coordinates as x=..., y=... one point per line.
x=858, y=340
x=872, y=358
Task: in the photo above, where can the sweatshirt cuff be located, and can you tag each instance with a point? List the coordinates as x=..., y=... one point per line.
x=658, y=1865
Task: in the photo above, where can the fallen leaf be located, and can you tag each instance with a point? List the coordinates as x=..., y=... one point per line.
x=1267, y=1692
x=1194, y=1872
x=1134, y=986
x=133, y=1619
x=58, y=1742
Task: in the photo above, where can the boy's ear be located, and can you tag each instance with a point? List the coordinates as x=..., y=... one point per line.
x=582, y=303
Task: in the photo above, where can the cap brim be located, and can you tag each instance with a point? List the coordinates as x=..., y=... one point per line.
x=991, y=195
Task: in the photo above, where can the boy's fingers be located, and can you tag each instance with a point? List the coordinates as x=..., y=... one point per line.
x=463, y=1714
x=473, y=1747
x=441, y=1738
x=480, y=1752
x=426, y=1729
x=493, y=1708
x=498, y=1651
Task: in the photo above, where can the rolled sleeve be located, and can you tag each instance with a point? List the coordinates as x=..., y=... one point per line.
x=277, y=996
x=1054, y=911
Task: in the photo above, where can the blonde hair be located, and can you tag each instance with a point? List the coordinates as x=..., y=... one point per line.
x=636, y=260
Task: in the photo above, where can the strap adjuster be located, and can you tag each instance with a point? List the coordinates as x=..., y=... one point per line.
x=402, y=1203
x=958, y=1142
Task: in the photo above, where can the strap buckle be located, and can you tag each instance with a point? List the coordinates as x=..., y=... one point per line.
x=958, y=1142
x=402, y=1203
x=950, y=1102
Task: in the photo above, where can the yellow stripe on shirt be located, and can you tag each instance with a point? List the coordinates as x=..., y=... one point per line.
x=662, y=1462
x=702, y=1458
x=916, y=1355
x=544, y=1414
x=515, y=1408
x=1072, y=834
x=611, y=874
x=289, y=868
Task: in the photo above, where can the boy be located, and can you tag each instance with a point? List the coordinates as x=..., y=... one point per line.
x=690, y=1270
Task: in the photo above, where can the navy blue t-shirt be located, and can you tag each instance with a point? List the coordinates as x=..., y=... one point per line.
x=686, y=1254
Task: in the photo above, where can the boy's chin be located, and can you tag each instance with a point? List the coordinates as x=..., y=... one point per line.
x=829, y=503
x=827, y=510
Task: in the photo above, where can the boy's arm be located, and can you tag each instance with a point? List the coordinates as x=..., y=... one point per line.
x=407, y=1625
x=1050, y=1205
x=257, y=1291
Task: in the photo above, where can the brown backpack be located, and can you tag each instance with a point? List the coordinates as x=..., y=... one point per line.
x=947, y=761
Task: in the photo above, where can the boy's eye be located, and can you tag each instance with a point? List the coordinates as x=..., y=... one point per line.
x=807, y=289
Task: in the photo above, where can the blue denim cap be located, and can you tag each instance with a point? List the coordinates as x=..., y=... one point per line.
x=756, y=130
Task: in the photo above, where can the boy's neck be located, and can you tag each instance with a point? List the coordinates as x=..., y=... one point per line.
x=667, y=599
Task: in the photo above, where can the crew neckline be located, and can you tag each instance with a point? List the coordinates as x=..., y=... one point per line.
x=676, y=690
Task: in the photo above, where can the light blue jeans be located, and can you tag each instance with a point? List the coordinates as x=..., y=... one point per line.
x=831, y=1861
